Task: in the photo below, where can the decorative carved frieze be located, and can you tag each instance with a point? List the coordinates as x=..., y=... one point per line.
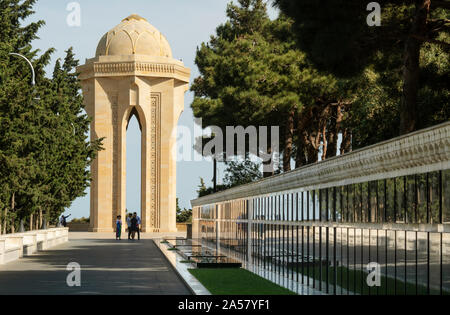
x=113, y=97
x=114, y=67
x=155, y=160
x=422, y=151
x=127, y=68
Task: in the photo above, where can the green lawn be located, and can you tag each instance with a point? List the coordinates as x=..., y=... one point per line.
x=355, y=281
x=236, y=281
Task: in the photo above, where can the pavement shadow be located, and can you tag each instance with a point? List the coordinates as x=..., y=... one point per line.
x=107, y=267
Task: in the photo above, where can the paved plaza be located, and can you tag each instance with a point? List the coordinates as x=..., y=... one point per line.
x=107, y=267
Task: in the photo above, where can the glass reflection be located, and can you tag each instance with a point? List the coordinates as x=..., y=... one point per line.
x=279, y=236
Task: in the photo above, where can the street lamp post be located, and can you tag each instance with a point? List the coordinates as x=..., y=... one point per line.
x=33, y=74
x=33, y=78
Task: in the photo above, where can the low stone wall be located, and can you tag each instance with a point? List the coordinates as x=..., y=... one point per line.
x=78, y=227
x=18, y=245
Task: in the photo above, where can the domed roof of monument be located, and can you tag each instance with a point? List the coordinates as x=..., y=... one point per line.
x=134, y=36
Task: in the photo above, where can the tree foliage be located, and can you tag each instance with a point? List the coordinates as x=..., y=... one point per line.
x=241, y=172
x=252, y=74
x=393, y=61
x=237, y=172
x=183, y=215
x=321, y=73
x=44, y=151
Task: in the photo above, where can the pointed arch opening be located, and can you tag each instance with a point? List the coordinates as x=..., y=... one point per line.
x=134, y=178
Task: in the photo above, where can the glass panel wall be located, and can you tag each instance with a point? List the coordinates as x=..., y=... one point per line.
x=332, y=239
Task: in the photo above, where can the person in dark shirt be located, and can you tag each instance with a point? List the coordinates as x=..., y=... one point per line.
x=63, y=220
x=134, y=227
x=118, y=227
x=129, y=225
x=138, y=225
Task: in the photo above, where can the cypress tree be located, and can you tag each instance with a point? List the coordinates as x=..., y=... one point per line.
x=44, y=152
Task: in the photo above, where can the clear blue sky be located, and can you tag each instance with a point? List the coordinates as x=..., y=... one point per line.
x=185, y=23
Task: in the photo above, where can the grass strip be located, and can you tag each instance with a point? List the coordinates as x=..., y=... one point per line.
x=237, y=281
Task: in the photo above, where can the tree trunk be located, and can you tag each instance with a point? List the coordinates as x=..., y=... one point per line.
x=40, y=218
x=309, y=129
x=313, y=154
x=288, y=135
x=5, y=222
x=332, y=134
x=346, y=145
x=312, y=147
x=13, y=230
x=324, y=142
x=323, y=124
x=411, y=69
x=31, y=222
x=339, y=118
x=300, y=157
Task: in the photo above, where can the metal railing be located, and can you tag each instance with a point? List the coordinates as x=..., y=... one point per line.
x=374, y=221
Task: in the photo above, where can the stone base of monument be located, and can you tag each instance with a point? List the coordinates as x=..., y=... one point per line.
x=98, y=230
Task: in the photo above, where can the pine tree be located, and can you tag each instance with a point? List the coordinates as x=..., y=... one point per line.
x=201, y=188
x=253, y=74
x=335, y=36
x=241, y=172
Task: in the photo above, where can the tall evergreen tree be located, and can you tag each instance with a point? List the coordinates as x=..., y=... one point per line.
x=44, y=152
x=19, y=113
x=70, y=152
x=253, y=74
x=336, y=37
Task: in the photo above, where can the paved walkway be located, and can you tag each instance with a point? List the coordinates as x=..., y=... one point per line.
x=107, y=267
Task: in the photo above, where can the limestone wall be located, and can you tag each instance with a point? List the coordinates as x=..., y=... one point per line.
x=78, y=227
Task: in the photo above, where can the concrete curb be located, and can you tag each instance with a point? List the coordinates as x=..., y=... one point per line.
x=192, y=284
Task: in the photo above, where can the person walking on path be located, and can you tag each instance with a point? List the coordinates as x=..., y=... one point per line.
x=129, y=217
x=134, y=226
x=118, y=227
x=138, y=225
x=63, y=220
